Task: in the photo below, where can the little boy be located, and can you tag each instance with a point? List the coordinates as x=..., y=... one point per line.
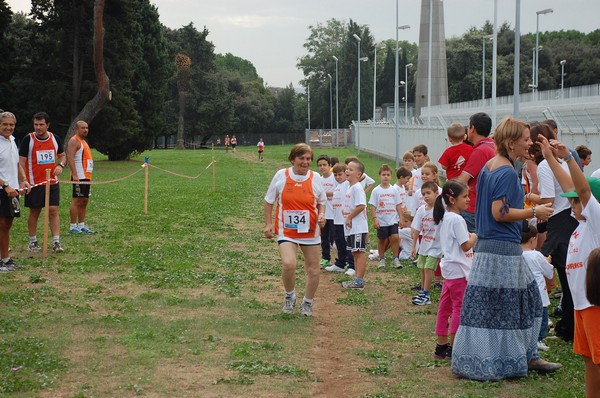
x=430, y=250
x=343, y=256
x=542, y=271
x=357, y=228
x=455, y=157
x=385, y=207
x=403, y=176
x=420, y=155
x=365, y=181
x=324, y=165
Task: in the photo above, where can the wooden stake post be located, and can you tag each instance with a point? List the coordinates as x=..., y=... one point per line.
x=214, y=170
x=146, y=185
x=46, y=215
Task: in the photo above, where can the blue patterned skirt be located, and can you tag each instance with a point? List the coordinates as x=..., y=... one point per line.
x=501, y=315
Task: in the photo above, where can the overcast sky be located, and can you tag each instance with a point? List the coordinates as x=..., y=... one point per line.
x=270, y=33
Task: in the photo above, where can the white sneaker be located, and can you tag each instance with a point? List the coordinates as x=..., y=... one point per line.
x=542, y=347
x=396, y=263
x=373, y=256
x=289, y=304
x=350, y=272
x=381, y=263
x=334, y=268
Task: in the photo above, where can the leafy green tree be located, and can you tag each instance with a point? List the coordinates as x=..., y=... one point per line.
x=287, y=119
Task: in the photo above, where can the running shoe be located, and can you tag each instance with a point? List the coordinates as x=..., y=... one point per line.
x=289, y=304
x=57, y=248
x=34, y=246
x=306, y=308
x=353, y=285
x=334, y=268
x=396, y=263
x=422, y=300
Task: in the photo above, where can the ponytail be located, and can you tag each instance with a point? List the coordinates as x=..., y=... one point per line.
x=438, y=210
x=451, y=189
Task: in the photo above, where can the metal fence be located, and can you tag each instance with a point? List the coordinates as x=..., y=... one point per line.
x=576, y=111
x=193, y=142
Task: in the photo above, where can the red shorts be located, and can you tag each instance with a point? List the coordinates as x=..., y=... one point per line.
x=587, y=333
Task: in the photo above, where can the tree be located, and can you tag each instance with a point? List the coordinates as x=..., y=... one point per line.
x=95, y=105
x=325, y=41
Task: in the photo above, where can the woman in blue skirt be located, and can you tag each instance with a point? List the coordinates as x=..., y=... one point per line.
x=502, y=311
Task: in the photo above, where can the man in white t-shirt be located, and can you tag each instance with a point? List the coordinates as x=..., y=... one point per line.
x=12, y=178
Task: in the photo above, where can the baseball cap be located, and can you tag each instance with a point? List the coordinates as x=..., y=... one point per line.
x=594, y=185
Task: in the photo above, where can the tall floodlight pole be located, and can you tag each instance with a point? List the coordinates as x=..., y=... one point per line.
x=337, y=113
x=357, y=38
x=406, y=92
x=375, y=79
x=517, y=60
x=537, y=33
x=483, y=39
x=308, y=104
x=562, y=77
x=429, y=63
x=397, y=87
x=330, y=103
x=494, y=63
x=533, y=84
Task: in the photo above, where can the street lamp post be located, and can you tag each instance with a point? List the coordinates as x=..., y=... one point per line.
x=396, y=87
x=537, y=33
x=308, y=105
x=533, y=84
x=330, y=103
x=483, y=39
x=375, y=79
x=406, y=92
x=337, y=120
x=357, y=38
x=562, y=77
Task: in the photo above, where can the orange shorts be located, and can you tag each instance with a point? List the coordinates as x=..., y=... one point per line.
x=587, y=333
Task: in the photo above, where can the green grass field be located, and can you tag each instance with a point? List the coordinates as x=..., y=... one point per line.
x=186, y=301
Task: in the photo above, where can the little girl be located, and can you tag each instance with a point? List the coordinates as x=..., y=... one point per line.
x=429, y=172
x=430, y=250
x=457, y=244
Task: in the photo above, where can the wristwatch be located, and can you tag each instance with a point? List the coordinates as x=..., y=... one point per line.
x=5, y=184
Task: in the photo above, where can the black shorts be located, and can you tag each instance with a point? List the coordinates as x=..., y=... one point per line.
x=82, y=190
x=36, y=198
x=384, y=232
x=8, y=205
x=356, y=242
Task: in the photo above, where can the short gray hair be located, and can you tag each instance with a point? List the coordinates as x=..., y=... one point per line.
x=7, y=114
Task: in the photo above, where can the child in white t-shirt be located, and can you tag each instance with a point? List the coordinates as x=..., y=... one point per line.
x=385, y=207
x=582, y=244
x=344, y=257
x=430, y=250
x=457, y=244
x=405, y=234
x=542, y=270
x=357, y=228
x=324, y=165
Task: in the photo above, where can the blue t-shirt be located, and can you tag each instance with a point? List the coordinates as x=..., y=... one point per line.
x=499, y=184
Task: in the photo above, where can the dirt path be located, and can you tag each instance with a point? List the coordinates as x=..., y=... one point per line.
x=335, y=364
